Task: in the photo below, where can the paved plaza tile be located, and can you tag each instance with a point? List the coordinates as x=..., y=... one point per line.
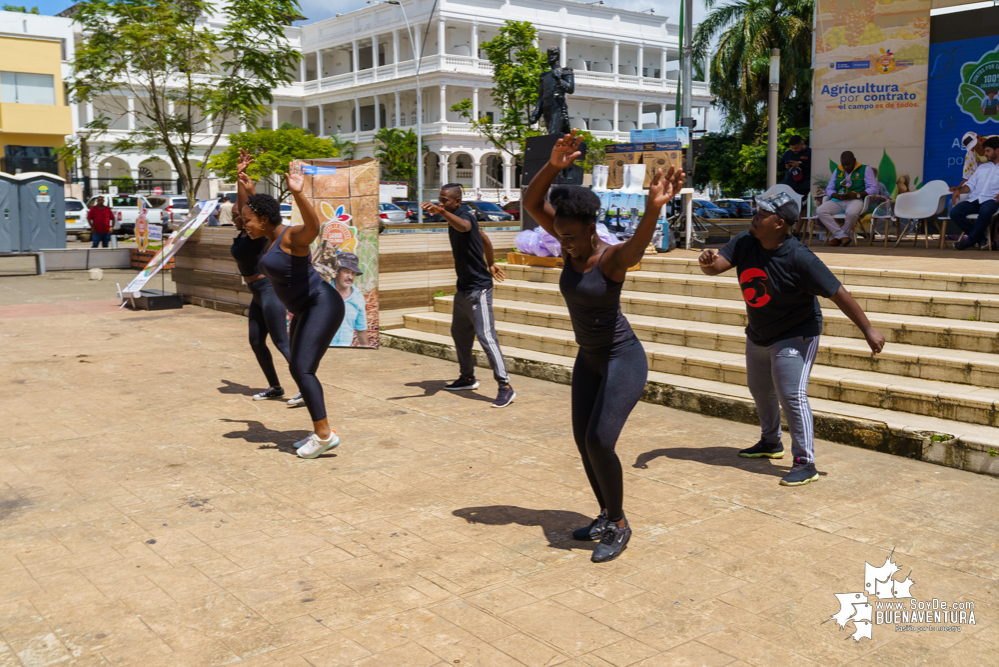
x=152, y=514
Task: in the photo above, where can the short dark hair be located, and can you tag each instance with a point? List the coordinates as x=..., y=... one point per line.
x=795, y=140
x=573, y=202
x=842, y=156
x=454, y=187
x=266, y=208
x=993, y=143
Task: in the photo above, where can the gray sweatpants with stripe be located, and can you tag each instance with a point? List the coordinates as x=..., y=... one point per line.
x=777, y=376
x=472, y=317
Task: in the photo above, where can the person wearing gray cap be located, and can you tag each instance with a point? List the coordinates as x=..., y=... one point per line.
x=781, y=280
x=355, y=319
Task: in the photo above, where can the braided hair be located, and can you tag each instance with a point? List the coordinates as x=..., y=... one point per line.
x=265, y=207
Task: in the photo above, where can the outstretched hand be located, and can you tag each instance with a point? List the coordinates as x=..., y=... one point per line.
x=432, y=209
x=247, y=183
x=566, y=151
x=244, y=161
x=296, y=182
x=664, y=187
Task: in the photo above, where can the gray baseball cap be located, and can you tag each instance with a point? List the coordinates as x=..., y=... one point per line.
x=348, y=260
x=782, y=204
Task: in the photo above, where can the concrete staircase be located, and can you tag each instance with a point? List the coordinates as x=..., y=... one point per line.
x=932, y=394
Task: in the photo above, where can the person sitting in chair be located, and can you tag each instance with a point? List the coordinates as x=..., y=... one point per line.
x=983, y=199
x=850, y=184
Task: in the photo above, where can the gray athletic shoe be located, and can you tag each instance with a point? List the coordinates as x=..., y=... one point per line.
x=612, y=543
x=272, y=392
x=593, y=531
x=770, y=450
x=802, y=472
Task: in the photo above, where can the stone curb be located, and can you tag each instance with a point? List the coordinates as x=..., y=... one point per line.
x=940, y=448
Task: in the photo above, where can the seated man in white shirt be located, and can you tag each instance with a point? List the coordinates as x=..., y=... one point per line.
x=850, y=184
x=983, y=199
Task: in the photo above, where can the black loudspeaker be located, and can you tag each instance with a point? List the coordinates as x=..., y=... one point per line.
x=537, y=152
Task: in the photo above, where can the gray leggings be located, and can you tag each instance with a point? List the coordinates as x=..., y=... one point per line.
x=777, y=376
x=471, y=318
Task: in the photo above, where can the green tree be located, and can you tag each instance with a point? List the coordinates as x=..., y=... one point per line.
x=272, y=151
x=735, y=168
x=19, y=8
x=739, y=64
x=595, y=151
x=345, y=147
x=180, y=71
x=517, y=64
x=397, y=154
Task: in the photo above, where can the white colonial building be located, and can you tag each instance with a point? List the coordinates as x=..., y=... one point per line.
x=359, y=75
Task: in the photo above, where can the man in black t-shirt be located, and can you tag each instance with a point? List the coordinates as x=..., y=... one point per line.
x=780, y=280
x=797, y=166
x=472, y=312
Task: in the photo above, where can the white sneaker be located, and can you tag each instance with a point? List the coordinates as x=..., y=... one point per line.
x=314, y=447
x=271, y=392
x=303, y=442
x=296, y=399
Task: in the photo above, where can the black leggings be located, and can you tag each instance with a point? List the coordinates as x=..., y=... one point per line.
x=312, y=331
x=605, y=388
x=268, y=316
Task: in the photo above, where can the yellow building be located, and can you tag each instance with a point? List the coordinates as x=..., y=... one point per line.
x=34, y=115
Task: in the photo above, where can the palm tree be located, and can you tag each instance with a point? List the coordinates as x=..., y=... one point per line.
x=345, y=148
x=740, y=67
x=397, y=154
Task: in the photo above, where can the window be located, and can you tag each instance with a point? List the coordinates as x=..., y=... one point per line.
x=74, y=205
x=21, y=88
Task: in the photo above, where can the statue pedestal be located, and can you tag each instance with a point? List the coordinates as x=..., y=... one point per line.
x=537, y=152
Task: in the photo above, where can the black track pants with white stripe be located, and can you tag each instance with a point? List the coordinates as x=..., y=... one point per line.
x=777, y=376
x=472, y=318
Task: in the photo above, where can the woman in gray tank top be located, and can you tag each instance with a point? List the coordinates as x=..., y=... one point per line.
x=609, y=375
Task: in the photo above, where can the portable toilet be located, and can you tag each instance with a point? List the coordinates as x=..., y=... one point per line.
x=42, y=206
x=10, y=224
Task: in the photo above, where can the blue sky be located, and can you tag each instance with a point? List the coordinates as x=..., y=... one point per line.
x=321, y=9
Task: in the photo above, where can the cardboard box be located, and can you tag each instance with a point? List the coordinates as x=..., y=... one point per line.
x=661, y=155
x=618, y=155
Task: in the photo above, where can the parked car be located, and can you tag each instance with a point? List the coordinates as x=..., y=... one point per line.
x=76, y=219
x=736, y=208
x=705, y=209
x=486, y=211
x=411, y=207
x=513, y=208
x=392, y=214
x=126, y=210
x=286, y=213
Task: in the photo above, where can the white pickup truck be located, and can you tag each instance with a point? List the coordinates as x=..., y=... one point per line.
x=126, y=211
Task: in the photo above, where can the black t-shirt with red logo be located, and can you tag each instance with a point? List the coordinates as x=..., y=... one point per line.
x=780, y=287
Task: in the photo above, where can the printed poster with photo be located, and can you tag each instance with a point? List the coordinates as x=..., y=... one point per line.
x=345, y=196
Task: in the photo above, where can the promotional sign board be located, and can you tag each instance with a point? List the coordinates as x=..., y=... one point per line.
x=345, y=196
x=963, y=92
x=870, y=88
x=197, y=217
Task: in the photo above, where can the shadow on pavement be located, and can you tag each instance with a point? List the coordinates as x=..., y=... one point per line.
x=268, y=438
x=233, y=388
x=434, y=387
x=716, y=456
x=557, y=525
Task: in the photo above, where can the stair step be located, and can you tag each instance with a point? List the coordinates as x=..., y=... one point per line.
x=849, y=276
x=935, y=332
x=929, y=363
x=943, y=400
x=894, y=300
x=958, y=444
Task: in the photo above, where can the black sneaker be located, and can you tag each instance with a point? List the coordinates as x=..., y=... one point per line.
x=802, y=472
x=272, y=392
x=612, y=543
x=770, y=450
x=462, y=383
x=504, y=397
x=593, y=531
x=962, y=245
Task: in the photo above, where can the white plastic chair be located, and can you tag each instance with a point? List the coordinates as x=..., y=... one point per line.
x=923, y=205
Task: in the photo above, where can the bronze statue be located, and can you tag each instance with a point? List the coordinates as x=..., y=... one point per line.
x=554, y=86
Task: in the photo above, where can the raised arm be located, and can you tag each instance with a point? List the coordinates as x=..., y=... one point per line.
x=564, y=153
x=302, y=235
x=662, y=189
x=712, y=263
x=456, y=221
x=244, y=186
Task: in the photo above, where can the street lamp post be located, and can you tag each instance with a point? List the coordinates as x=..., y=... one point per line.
x=772, y=112
x=419, y=105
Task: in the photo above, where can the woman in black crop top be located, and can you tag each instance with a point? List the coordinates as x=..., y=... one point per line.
x=267, y=315
x=609, y=375
x=317, y=307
